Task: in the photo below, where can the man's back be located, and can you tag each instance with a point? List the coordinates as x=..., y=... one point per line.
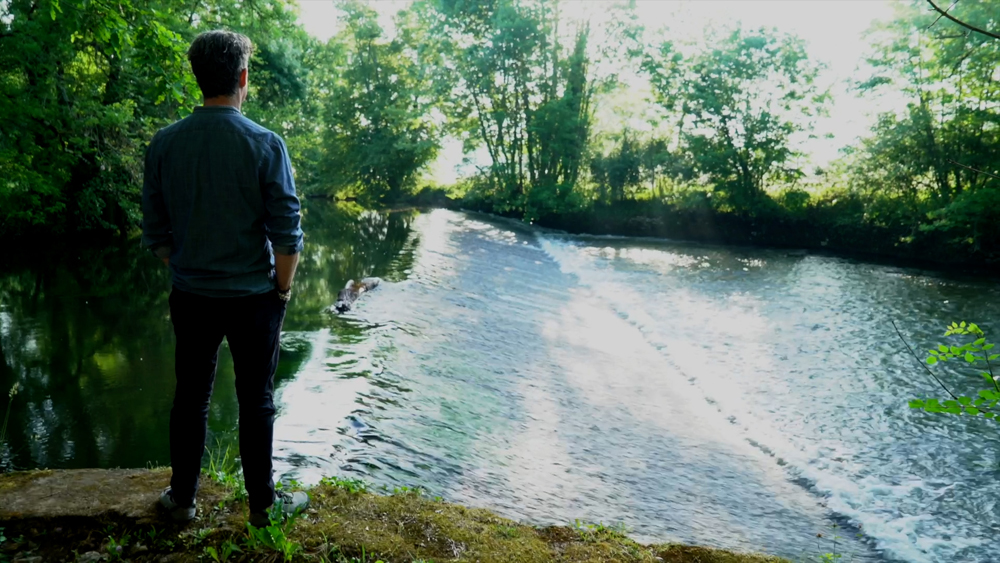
x=218, y=187
x=219, y=208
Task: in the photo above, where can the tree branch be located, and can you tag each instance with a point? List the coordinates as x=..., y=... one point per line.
x=974, y=169
x=945, y=13
x=922, y=364
x=941, y=15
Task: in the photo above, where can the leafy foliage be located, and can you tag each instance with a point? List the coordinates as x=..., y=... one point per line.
x=378, y=133
x=224, y=552
x=977, y=353
x=520, y=97
x=85, y=84
x=274, y=537
x=937, y=156
x=740, y=98
x=349, y=484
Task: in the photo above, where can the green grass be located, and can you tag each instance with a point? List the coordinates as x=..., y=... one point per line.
x=224, y=469
x=6, y=418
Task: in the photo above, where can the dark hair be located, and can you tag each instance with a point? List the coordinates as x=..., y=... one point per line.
x=217, y=57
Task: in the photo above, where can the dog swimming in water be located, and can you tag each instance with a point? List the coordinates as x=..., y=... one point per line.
x=351, y=292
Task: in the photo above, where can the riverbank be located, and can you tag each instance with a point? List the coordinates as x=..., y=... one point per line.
x=838, y=228
x=111, y=515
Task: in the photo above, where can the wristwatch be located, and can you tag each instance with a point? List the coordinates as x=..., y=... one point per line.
x=285, y=295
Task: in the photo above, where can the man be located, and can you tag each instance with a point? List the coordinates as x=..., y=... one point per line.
x=219, y=208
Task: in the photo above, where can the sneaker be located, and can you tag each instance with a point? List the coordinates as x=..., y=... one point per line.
x=287, y=503
x=177, y=512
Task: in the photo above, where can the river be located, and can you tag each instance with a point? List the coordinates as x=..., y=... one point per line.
x=742, y=398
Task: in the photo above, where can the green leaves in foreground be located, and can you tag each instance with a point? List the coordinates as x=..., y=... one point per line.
x=975, y=353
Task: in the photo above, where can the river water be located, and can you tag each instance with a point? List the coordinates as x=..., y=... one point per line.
x=741, y=398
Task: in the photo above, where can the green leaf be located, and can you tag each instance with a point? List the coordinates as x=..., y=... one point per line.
x=988, y=346
x=972, y=410
x=965, y=400
x=916, y=404
x=980, y=342
x=932, y=360
x=989, y=415
x=969, y=357
x=943, y=348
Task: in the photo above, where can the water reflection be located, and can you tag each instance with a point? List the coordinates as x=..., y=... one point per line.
x=90, y=340
x=741, y=398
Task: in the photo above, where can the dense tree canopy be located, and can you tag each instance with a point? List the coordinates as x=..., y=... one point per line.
x=85, y=84
x=740, y=99
x=379, y=134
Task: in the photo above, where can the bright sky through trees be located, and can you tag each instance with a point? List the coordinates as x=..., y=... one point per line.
x=834, y=30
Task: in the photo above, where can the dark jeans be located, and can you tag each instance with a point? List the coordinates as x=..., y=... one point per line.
x=252, y=325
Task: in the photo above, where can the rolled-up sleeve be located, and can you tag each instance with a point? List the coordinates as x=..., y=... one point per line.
x=283, y=219
x=156, y=231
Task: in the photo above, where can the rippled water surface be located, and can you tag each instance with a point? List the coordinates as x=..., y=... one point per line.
x=740, y=398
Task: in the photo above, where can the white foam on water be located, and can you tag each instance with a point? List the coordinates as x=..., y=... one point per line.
x=829, y=469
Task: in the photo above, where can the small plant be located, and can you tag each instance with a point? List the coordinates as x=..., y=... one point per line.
x=834, y=556
x=362, y=559
x=274, y=536
x=594, y=532
x=349, y=484
x=405, y=491
x=290, y=484
x=6, y=417
x=200, y=535
x=224, y=552
x=976, y=353
x=223, y=469
x=158, y=539
x=507, y=531
x=117, y=547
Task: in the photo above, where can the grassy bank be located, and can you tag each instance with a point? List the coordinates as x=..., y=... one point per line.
x=110, y=515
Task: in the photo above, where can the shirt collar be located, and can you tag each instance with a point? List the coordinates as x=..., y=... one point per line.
x=217, y=109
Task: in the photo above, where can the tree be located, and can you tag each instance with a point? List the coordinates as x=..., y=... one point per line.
x=965, y=24
x=517, y=95
x=939, y=154
x=614, y=173
x=81, y=83
x=84, y=84
x=378, y=132
x=740, y=98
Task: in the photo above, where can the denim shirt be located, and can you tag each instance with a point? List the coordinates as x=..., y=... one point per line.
x=218, y=198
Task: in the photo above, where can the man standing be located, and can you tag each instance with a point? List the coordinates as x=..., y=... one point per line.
x=219, y=208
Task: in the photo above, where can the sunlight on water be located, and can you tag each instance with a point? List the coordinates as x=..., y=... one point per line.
x=739, y=398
